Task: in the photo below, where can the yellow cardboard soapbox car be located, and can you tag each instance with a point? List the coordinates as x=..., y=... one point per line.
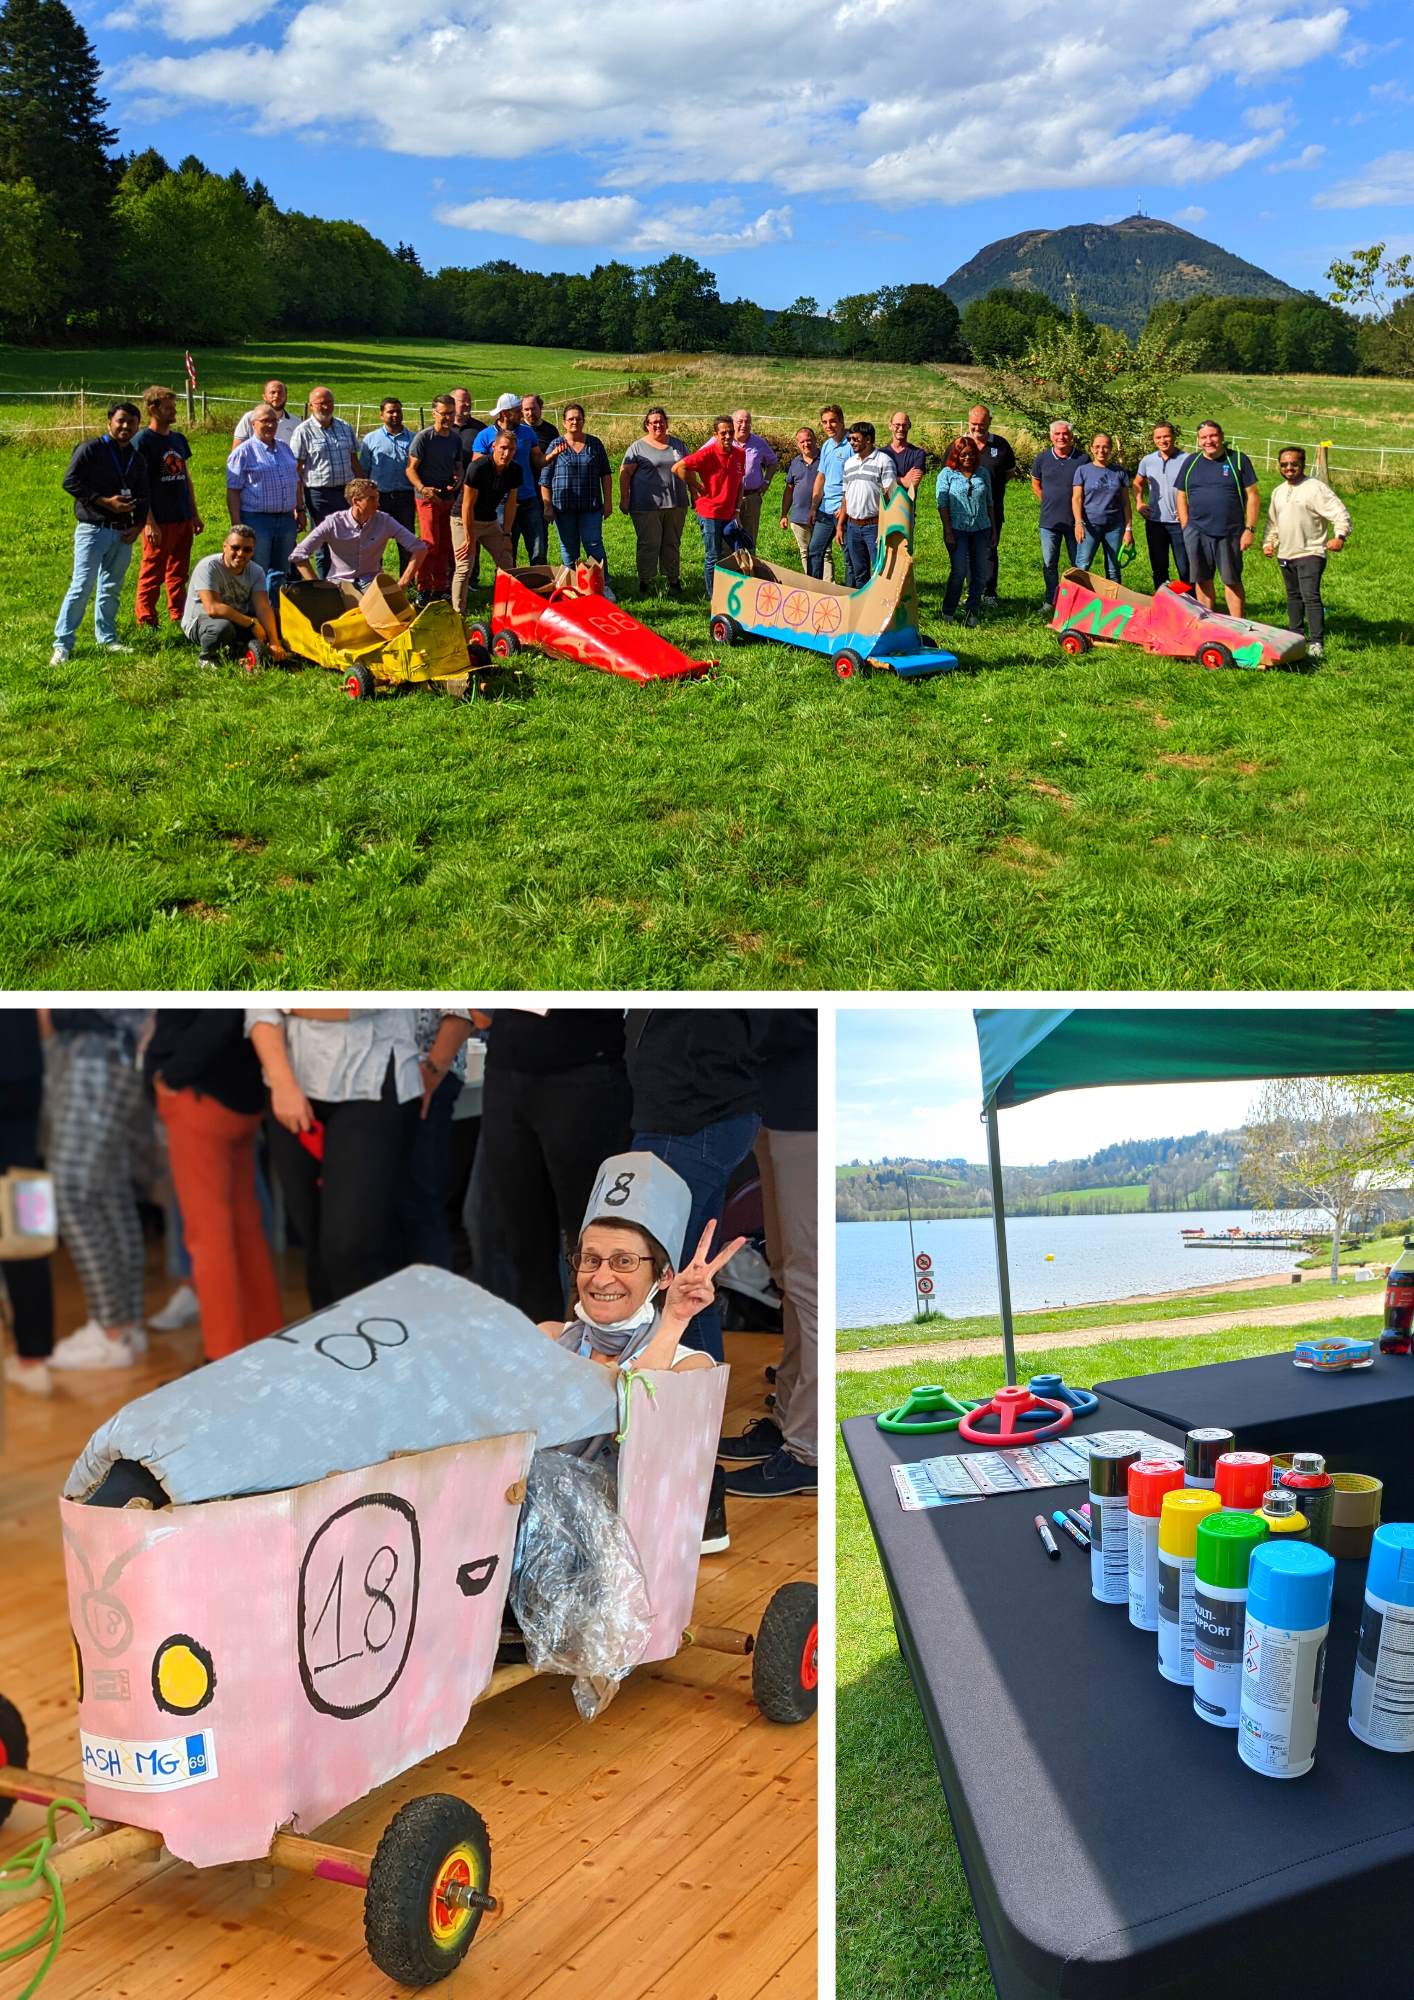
x=374, y=638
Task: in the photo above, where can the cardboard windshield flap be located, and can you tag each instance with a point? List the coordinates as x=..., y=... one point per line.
x=878, y=622
x=246, y=1665
x=418, y=1360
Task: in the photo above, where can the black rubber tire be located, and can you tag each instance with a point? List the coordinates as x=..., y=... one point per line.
x=1213, y=656
x=725, y=631
x=359, y=684
x=847, y=666
x=14, y=1746
x=505, y=646
x=251, y=660
x=1075, y=643
x=784, y=1666
x=396, y=1903
x=478, y=633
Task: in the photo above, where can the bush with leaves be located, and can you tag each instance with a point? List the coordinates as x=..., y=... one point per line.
x=1099, y=380
x=1386, y=286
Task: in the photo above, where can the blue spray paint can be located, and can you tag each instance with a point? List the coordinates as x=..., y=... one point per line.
x=1289, y=1590
x=1382, y=1697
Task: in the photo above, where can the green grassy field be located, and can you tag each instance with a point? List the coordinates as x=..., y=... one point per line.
x=1070, y=1319
x=1120, y=821
x=905, y=1924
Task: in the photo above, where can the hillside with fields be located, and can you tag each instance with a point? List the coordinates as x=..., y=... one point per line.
x=1198, y=1171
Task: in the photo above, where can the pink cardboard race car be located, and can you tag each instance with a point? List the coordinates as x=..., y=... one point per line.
x=249, y=1664
x=1091, y=609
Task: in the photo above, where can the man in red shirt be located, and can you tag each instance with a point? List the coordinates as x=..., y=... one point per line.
x=713, y=479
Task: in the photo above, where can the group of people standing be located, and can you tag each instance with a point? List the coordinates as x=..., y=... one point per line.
x=308, y=496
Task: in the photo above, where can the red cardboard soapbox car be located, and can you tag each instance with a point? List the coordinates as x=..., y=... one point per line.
x=568, y=612
x=1092, y=609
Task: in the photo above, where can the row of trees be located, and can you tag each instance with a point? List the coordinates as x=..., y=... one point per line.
x=1301, y=336
x=1312, y=1142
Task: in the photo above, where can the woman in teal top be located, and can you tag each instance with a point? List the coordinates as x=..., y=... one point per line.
x=965, y=510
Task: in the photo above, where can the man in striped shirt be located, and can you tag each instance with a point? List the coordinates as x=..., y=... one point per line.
x=326, y=451
x=263, y=491
x=867, y=475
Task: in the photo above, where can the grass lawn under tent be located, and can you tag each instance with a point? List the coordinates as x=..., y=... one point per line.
x=1117, y=821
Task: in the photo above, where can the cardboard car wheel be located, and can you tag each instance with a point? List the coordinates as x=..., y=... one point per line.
x=479, y=634
x=785, y=1662
x=505, y=646
x=251, y=660
x=1075, y=643
x=415, y=1935
x=848, y=666
x=725, y=631
x=14, y=1746
x=1213, y=656
x=359, y=684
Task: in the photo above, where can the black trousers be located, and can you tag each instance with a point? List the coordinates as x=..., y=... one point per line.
x=1165, y=539
x=989, y=574
x=321, y=501
x=403, y=508
x=543, y=1139
x=27, y=1279
x=343, y=1205
x=1304, y=609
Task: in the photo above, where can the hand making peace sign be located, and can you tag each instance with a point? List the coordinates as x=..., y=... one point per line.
x=692, y=1290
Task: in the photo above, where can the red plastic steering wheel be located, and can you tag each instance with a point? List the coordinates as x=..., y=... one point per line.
x=1007, y=1405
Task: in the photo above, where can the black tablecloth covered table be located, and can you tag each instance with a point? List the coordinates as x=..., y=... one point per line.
x=1362, y=1421
x=1115, y=1845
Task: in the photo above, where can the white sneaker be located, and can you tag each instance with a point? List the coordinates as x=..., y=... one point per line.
x=113, y=646
x=58, y=658
x=182, y=1309
x=136, y=1337
x=90, y=1347
x=31, y=1376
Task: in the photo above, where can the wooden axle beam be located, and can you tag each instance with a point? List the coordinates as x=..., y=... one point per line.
x=719, y=1639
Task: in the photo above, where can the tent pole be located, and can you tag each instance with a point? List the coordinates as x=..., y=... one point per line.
x=994, y=1161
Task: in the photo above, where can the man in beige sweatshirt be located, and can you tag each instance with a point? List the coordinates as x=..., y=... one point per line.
x=1306, y=520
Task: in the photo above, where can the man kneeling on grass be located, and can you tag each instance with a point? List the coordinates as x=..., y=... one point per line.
x=355, y=539
x=228, y=608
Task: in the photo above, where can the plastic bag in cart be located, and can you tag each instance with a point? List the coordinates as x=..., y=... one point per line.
x=577, y=1587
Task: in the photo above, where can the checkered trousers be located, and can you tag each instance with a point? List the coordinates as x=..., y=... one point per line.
x=94, y=1103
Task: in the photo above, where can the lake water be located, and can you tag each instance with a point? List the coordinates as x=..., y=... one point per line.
x=1096, y=1257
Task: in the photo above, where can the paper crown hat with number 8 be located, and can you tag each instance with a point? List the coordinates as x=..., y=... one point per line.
x=641, y=1190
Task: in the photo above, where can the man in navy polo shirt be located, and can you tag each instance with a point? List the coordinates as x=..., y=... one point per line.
x=1052, y=481
x=1218, y=500
x=998, y=461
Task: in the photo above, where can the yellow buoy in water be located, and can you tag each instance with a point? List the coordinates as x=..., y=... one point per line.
x=1050, y=1257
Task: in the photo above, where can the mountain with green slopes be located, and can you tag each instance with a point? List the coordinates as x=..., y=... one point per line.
x=1117, y=271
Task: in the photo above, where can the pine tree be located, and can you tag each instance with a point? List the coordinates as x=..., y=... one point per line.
x=52, y=131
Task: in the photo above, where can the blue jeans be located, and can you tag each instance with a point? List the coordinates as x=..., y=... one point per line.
x=1107, y=539
x=420, y=1209
x=1163, y=537
x=578, y=531
x=861, y=542
x=275, y=535
x=530, y=527
x=705, y=1161
x=821, y=536
x=969, y=562
x=713, y=549
x=101, y=558
x=1051, y=540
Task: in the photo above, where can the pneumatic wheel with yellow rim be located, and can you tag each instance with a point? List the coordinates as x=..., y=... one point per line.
x=416, y=1929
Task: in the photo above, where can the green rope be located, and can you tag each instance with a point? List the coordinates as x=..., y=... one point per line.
x=30, y=1865
x=629, y=1377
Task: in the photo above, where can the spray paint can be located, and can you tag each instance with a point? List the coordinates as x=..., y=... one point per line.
x=1201, y=1452
x=1109, y=1522
x=1178, y=1548
x=1315, y=1493
x=1149, y=1480
x=1284, y=1657
x=1241, y=1478
x=1382, y=1698
x=1281, y=1516
x=1225, y=1544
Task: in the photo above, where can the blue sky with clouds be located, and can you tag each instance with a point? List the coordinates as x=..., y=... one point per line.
x=907, y=1082
x=794, y=150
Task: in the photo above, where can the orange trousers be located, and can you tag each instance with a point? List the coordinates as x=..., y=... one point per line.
x=212, y=1151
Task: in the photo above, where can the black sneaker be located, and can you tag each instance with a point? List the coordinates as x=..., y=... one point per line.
x=779, y=1477
x=769, y=1373
x=715, y=1539
x=758, y=1441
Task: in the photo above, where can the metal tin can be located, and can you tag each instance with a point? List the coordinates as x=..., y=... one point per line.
x=1280, y=1515
x=1201, y=1451
x=1382, y=1697
x=1284, y=1657
x=1149, y=1480
x=1178, y=1547
x=1241, y=1478
x=1225, y=1544
x=1109, y=1522
x=1315, y=1493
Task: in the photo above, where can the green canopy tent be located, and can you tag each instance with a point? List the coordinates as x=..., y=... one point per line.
x=1028, y=1052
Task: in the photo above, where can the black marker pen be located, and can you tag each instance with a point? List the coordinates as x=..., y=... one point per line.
x=1048, y=1540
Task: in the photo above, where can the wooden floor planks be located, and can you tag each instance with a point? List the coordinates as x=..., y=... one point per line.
x=667, y=1849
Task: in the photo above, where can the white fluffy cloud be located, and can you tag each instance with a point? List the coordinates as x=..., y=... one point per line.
x=1190, y=216
x=1388, y=180
x=190, y=20
x=859, y=103
x=621, y=221
x=1299, y=163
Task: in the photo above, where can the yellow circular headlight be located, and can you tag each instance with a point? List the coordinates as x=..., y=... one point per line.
x=183, y=1678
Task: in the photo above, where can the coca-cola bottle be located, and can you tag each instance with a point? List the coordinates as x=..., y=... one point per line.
x=1398, y=1335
